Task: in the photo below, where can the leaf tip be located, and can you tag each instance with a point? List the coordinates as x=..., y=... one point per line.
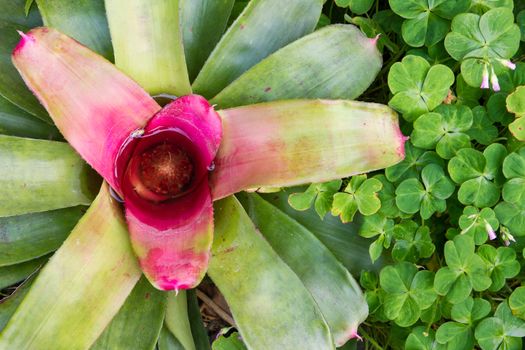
x=25, y=39
x=375, y=39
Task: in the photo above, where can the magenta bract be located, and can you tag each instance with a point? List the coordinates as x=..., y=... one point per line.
x=163, y=176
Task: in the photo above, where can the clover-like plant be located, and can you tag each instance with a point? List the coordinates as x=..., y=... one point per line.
x=167, y=162
x=484, y=44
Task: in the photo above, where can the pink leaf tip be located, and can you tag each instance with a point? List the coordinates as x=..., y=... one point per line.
x=25, y=39
x=375, y=39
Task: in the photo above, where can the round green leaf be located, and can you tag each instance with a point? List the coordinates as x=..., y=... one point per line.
x=517, y=302
x=418, y=87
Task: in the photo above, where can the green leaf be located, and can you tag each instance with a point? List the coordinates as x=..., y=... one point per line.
x=512, y=216
x=167, y=341
x=12, y=86
x=360, y=194
x=315, y=66
x=444, y=129
x=502, y=264
x=387, y=197
x=377, y=224
x=417, y=87
x=481, y=6
x=9, y=304
x=470, y=310
x=335, y=291
x=515, y=101
x=138, y=322
x=341, y=239
x=421, y=339
x=358, y=7
x=497, y=110
x=415, y=160
x=199, y=333
x=407, y=292
x=466, y=94
x=177, y=321
x=263, y=27
x=267, y=315
x=478, y=174
x=478, y=224
x=455, y=335
x=94, y=270
x=25, y=237
x=502, y=331
x=517, y=302
x=413, y=196
x=12, y=274
x=412, y=242
x=409, y=195
x=483, y=131
x=426, y=22
x=480, y=41
x=513, y=169
x=203, y=23
x=17, y=122
x=18, y=12
x=517, y=128
x=42, y=175
x=321, y=193
x=147, y=40
x=520, y=19
x=465, y=271
x=231, y=342
x=83, y=20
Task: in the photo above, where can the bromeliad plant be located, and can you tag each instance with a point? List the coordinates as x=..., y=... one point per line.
x=167, y=165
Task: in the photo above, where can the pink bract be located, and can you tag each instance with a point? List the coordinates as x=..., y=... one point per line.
x=172, y=236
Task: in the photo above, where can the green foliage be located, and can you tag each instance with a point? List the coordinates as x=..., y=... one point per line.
x=480, y=42
x=435, y=226
x=417, y=86
x=478, y=175
x=446, y=218
x=503, y=331
x=427, y=197
x=408, y=291
x=322, y=194
x=465, y=271
x=427, y=20
x=360, y=194
x=444, y=130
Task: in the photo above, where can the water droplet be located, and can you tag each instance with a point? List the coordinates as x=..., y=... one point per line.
x=211, y=167
x=115, y=195
x=137, y=133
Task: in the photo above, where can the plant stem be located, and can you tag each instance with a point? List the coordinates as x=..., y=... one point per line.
x=370, y=339
x=216, y=308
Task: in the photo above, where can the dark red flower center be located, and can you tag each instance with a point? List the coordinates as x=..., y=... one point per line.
x=166, y=169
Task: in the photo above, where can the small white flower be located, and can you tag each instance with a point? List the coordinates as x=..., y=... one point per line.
x=490, y=231
x=507, y=236
x=494, y=80
x=485, y=81
x=507, y=63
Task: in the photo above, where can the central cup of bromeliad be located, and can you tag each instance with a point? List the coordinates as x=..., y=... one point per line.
x=166, y=169
x=160, y=165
